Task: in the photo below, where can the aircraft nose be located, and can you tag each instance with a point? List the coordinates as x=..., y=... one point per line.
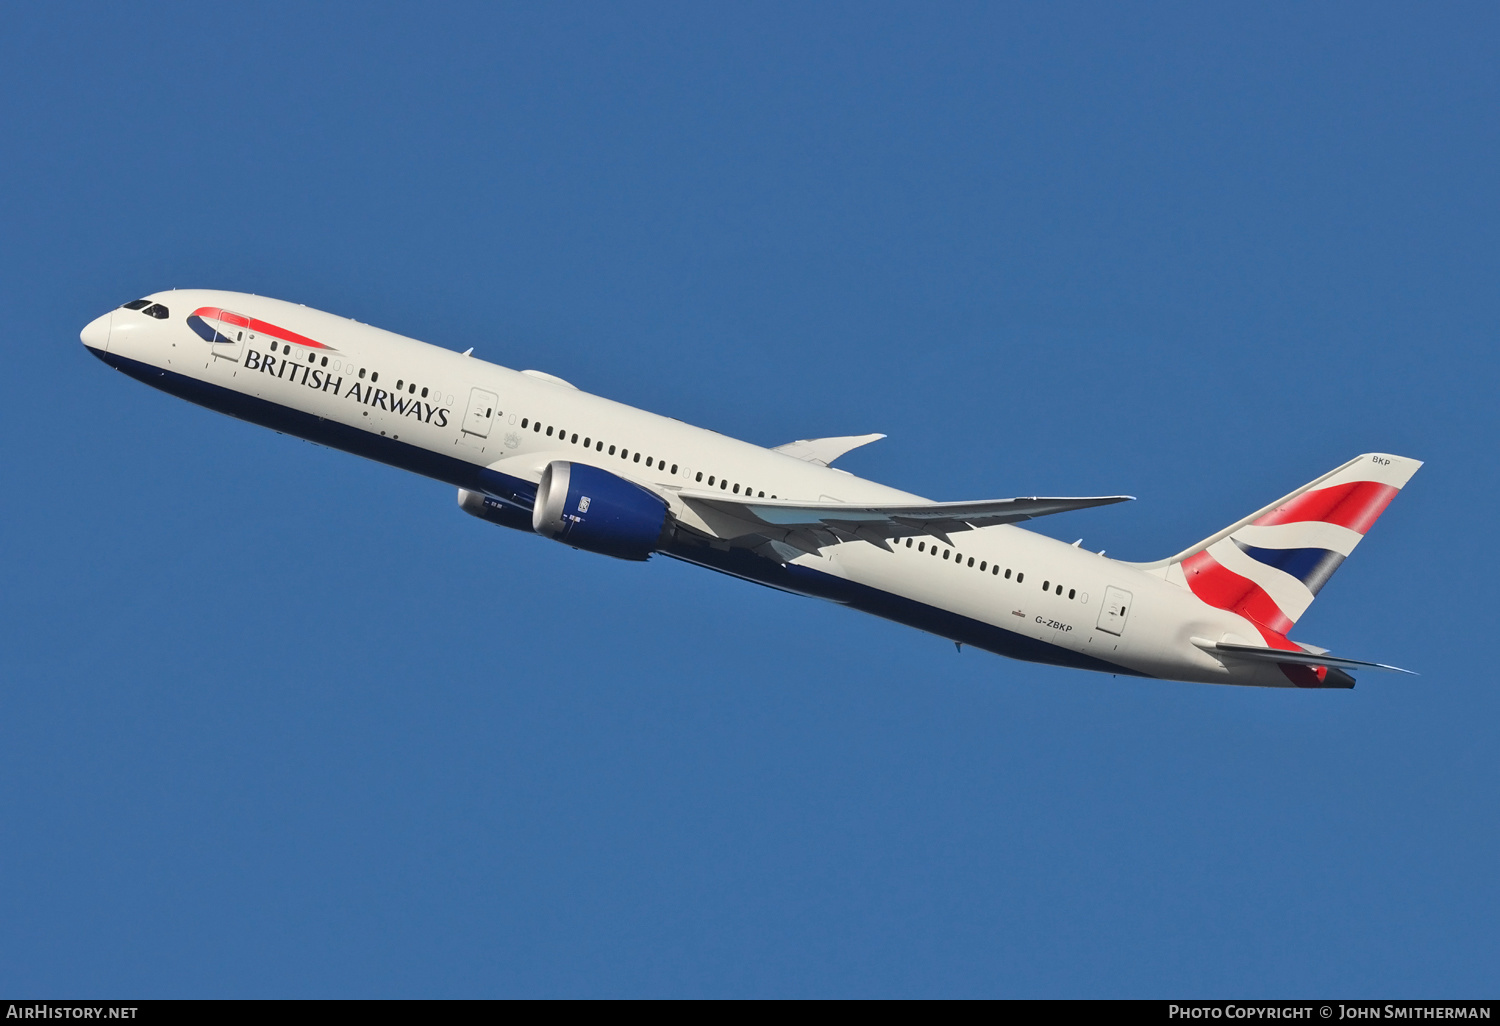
x=95, y=333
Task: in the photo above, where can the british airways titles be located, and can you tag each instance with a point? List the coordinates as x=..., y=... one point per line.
x=365, y=393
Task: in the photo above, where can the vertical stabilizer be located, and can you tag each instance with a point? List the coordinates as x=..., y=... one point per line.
x=1270, y=566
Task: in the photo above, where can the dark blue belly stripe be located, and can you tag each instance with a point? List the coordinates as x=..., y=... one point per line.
x=803, y=580
x=382, y=449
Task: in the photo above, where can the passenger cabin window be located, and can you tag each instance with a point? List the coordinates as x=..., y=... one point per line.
x=374, y=376
x=361, y=372
x=424, y=390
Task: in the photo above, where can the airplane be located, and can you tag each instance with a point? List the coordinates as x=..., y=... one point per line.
x=529, y=451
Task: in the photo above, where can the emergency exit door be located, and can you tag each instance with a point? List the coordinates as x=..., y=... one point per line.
x=481, y=413
x=227, y=332
x=1115, y=612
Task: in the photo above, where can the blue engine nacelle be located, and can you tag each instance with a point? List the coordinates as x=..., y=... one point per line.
x=594, y=510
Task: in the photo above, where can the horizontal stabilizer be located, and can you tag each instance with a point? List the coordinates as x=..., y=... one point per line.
x=1276, y=655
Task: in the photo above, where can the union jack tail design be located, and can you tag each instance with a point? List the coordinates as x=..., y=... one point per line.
x=1271, y=565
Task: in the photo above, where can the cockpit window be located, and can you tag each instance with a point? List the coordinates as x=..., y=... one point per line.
x=136, y=304
x=156, y=310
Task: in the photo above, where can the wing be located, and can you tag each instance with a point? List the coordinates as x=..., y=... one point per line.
x=811, y=526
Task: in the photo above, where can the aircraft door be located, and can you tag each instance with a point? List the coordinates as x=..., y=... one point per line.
x=481, y=413
x=229, y=339
x=1115, y=612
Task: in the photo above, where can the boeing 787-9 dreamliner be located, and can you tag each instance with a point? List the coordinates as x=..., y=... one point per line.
x=527, y=450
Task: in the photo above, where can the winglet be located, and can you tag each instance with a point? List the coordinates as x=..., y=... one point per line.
x=823, y=451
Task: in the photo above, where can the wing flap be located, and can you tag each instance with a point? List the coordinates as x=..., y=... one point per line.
x=841, y=521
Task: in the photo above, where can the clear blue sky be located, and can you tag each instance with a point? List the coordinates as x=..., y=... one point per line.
x=278, y=721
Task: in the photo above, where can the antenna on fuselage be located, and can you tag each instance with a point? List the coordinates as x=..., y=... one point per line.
x=467, y=352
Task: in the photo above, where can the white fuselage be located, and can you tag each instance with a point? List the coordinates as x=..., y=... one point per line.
x=413, y=405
